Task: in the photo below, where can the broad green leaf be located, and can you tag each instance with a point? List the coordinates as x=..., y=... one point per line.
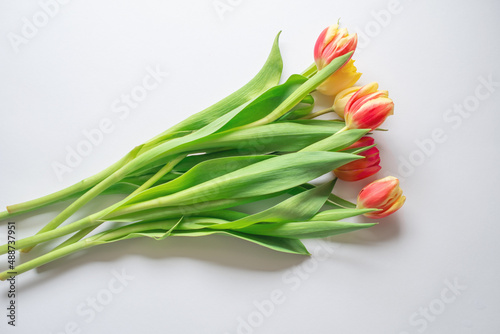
x=300, y=110
x=156, y=229
x=268, y=77
x=266, y=177
x=161, y=230
x=333, y=200
x=358, y=150
x=337, y=141
x=318, y=122
x=282, y=137
x=195, y=159
x=242, y=115
x=296, y=208
x=303, y=230
x=305, y=89
x=338, y=214
x=228, y=215
x=203, y=172
x=265, y=103
x=175, y=146
x=336, y=200
x=276, y=137
x=125, y=215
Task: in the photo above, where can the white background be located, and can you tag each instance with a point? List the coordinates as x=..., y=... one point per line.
x=391, y=279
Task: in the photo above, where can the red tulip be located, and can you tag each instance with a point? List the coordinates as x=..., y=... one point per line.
x=384, y=194
x=363, y=168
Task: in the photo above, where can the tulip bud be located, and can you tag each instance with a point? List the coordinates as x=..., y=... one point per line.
x=342, y=98
x=363, y=168
x=332, y=43
x=368, y=108
x=384, y=195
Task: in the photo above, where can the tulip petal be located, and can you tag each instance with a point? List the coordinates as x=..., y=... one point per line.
x=371, y=114
x=357, y=174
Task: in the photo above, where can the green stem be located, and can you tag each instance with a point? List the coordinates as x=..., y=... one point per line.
x=310, y=71
x=53, y=234
x=317, y=113
x=46, y=258
x=5, y=215
x=155, y=178
x=84, y=223
x=98, y=239
x=66, y=193
x=81, y=201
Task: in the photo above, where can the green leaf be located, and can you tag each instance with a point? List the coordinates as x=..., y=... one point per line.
x=337, y=214
x=333, y=200
x=175, y=211
x=319, y=122
x=212, y=119
x=337, y=141
x=268, y=77
x=282, y=137
x=228, y=215
x=300, y=110
x=303, y=230
x=265, y=103
x=358, y=150
x=203, y=172
x=258, y=110
x=266, y=177
x=163, y=229
x=305, y=89
x=276, y=137
x=296, y=208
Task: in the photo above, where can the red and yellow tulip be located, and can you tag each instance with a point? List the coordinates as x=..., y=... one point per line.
x=368, y=108
x=384, y=194
x=332, y=43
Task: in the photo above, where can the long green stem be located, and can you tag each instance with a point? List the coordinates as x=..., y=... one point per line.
x=5, y=215
x=66, y=193
x=98, y=239
x=84, y=223
x=53, y=234
x=46, y=258
x=318, y=113
x=81, y=201
x=310, y=71
x=155, y=178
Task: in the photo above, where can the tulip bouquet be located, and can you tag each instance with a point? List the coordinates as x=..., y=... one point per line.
x=261, y=142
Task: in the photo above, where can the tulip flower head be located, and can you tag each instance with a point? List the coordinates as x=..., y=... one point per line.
x=384, y=194
x=368, y=108
x=332, y=43
x=363, y=168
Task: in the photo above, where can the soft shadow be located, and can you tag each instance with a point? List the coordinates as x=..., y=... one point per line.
x=221, y=250
x=387, y=229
